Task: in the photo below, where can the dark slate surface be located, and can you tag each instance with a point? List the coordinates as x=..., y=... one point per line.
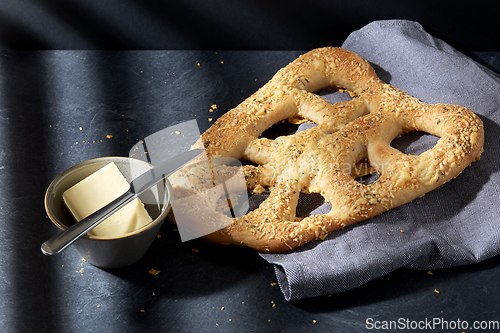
x=47, y=96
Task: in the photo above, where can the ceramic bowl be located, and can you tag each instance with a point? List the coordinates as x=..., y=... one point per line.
x=115, y=251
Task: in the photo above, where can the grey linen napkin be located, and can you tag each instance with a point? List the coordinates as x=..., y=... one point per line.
x=457, y=224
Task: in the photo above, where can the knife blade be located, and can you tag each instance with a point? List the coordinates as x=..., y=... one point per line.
x=137, y=186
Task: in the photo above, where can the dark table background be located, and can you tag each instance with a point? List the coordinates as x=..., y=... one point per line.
x=57, y=105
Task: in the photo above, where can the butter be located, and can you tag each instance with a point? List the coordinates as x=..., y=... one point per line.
x=96, y=191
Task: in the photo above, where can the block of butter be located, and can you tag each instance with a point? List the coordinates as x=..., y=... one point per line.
x=96, y=191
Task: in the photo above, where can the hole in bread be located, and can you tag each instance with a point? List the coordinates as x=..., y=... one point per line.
x=307, y=204
x=334, y=95
x=282, y=128
x=414, y=143
x=363, y=173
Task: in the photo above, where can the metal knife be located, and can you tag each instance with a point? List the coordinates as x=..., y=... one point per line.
x=137, y=186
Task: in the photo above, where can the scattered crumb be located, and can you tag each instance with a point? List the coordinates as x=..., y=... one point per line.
x=213, y=107
x=436, y=291
x=314, y=321
x=143, y=311
x=222, y=309
x=81, y=128
x=402, y=231
x=273, y=284
x=153, y=271
x=210, y=119
x=109, y=136
x=230, y=319
x=222, y=62
x=98, y=305
x=177, y=132
x=258, y=189
x=198, y=64
x=194, y=250
x=429, y=272
x=158, y=236
x=84, y=260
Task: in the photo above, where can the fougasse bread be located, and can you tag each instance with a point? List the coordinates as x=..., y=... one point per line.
x=321, y=159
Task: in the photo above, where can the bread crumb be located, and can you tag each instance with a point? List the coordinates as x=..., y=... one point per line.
x=429, y=272
x=436, y=291
x=153, y=271
x=81, y=128
x=258, y=189
x=194, y=250
x=210, y=119
x=273, y=284
x=109, y=136
x=314, y=321
x=143, y=311
x=222, y=309
x=158, y=236
x=214, y=106
x=198, y=64
x=177, y=132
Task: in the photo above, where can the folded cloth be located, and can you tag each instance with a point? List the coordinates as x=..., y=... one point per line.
x=457, y=224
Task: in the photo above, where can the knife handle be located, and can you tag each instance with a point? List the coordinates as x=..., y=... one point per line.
x=64, y=239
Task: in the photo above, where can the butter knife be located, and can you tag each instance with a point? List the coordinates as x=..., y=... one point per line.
x=137, y=186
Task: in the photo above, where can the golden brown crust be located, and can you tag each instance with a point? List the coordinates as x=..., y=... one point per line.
x=321, y=159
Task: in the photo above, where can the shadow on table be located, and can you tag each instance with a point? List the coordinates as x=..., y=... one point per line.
x=192, y=268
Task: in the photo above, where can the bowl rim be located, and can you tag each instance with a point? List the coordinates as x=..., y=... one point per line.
x=63, y=227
